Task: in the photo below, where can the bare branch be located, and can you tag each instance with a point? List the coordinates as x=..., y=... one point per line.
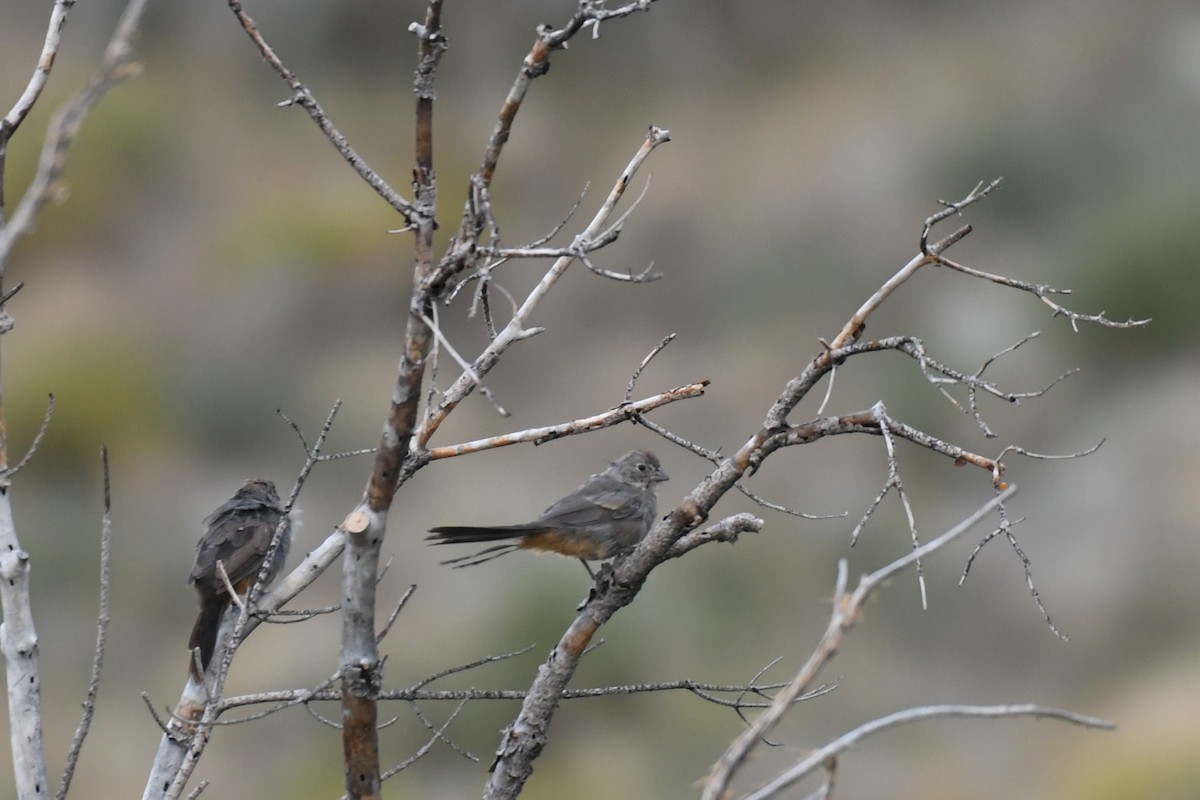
x=706, y=691
x=438, y=735
x=18, y=635
x=536, y=63
x=116, y=65
x=871, y=422
x=727, y=530
x=637, y=373
x=295, y=428
x=614, y=416
x=102, y=619
x=818, y=758
x=1043, y=292
x=228, y=585
x=847, y=609
x=387, y=626
x=37, y=438
x=462, y=362
x=469, y=666
x=41, y=73
x=303, y=96
x=462, y=751
x=619, y=584
x=365, y=527
x=18, y=645
x=516, y=328
x=1021, y=451
x=645, y=276
x=975, y=383
x=980, y=191
x=562, y=223
x=158, y=720
x=894, y=481
x=1005, y=527
x=715, y=457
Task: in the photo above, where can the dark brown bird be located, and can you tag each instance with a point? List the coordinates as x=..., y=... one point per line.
x=239, y=535
x=612, y=511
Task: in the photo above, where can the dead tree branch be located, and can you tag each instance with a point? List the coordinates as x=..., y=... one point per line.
x=116, y=66
x=821, y=757
x=526, y=736
x=847, y=610
x=516, y=329
x=614, y=416
x=303, y=97
x=18, y=636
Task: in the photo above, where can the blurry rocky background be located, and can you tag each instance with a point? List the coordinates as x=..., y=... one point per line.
x=214, y=260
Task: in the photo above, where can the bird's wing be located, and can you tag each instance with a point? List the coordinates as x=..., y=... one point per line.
x=239, y=547
x=600, y=500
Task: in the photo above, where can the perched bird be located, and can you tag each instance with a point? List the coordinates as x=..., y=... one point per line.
x=612, y=511
x=238, y=536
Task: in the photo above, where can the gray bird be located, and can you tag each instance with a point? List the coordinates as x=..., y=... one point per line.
x=612, y=511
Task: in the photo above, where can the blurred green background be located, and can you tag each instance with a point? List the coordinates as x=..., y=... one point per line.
x=214, y=260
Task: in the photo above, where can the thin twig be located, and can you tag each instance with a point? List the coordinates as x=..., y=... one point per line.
x=464, y=364
x=894, y=480
x=1006, y=528
x=158, y=720
x=295, y=429
x=439, y=734
x=37, y=439
x=980, y=191
x=705, y=691
x=1043, y=292
x=715, y=457
x=637, y=373
x=303, y=96
x=471, y=665
x=396, y=612
x=102, y=620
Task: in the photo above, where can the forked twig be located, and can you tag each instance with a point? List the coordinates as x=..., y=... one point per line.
x=303, y=97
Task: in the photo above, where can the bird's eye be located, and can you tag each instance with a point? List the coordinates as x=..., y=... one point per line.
x=642, y=467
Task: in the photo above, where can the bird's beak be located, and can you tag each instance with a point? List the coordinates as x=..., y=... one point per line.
x=659, y=475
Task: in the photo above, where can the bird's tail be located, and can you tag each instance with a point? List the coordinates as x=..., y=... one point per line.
x=204, y=632
x=465, y=534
